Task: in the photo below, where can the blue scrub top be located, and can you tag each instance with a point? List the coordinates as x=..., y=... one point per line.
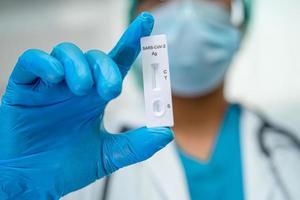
x=221, y=176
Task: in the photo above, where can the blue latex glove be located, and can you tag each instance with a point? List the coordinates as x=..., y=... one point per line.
x=52, y=140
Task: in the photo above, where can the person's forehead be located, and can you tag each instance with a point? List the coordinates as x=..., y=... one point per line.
x=148, y=4
x=164, y=1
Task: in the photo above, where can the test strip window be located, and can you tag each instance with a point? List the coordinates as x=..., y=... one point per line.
x=155, y=76
x=157, y=86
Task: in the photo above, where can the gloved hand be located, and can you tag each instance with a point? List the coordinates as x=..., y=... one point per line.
x=52, y=140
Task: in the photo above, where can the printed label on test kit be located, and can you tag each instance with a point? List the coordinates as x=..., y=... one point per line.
x=157, y=86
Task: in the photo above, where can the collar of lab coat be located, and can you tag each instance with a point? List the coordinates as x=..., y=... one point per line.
x=168, y=176
x=259, y=182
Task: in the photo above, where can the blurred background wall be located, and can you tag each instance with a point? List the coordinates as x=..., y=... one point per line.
x=265, y=75
x=43, y=24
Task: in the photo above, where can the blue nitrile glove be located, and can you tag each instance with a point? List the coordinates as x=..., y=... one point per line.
x=52, y=140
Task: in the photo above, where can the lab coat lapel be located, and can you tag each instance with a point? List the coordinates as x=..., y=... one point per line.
x=167, y=174
x=258, y=181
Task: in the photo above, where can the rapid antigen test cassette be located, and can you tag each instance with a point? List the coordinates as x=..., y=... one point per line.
x=157, y=86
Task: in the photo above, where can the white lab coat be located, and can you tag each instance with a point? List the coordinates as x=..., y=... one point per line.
x=162, y=176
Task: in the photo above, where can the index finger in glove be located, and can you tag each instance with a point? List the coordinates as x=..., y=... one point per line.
x=128, y=47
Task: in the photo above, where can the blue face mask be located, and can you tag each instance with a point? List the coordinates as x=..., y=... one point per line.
x=202, y=42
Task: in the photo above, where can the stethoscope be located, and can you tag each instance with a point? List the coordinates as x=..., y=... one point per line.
x=107, y=181
x=267, y=152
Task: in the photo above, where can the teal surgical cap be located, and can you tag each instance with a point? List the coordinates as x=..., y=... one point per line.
x=247, y=10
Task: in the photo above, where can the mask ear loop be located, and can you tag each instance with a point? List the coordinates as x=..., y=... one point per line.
x=238, y=13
